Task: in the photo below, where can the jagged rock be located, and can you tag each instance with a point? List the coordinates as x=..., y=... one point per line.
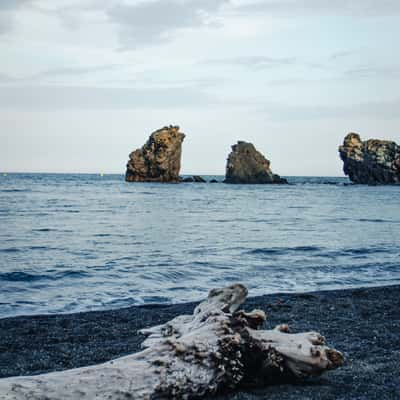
x=370, y=162
x=213, y=181
x=198, y=179
x=159, y=160
x=247, y=165
x=187, y=180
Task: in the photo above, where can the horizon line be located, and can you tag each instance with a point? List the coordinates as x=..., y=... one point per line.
x=122, y=173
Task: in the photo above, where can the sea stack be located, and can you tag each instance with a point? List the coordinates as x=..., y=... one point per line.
x=159, y=160
x=247, y=165
x=370, y=162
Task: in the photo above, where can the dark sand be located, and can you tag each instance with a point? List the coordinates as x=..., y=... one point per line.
x=363, y=323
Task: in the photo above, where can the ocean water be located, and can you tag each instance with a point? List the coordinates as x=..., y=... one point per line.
x=74, y=242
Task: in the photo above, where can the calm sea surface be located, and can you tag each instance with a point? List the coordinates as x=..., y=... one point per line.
x=85, y=242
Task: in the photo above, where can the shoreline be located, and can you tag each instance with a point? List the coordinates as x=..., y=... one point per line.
x=194, y=302
x=363, y=323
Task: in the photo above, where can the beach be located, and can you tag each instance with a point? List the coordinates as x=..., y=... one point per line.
x=164, y=160
x=363, y=323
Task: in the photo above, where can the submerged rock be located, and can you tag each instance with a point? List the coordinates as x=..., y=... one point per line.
x=159, y=160
x=194, y=178
x=187, y=180
x=247, y=165
x=370, y=162
x=198, y=179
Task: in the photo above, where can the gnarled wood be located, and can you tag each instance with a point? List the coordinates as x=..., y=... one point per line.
x=192, y=356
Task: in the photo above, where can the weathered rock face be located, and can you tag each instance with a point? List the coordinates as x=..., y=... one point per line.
x=159, y=160
x=370, y=162
x=247, y=165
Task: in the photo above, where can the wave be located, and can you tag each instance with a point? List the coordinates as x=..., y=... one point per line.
x=365, y=250
x=284, y=250
x=22, y=277
x=386, y=221
x=18, y=276
x=15, y=190
x=316, y=251
x=10, y=250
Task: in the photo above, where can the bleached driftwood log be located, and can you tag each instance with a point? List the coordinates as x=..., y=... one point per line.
x=217, y=348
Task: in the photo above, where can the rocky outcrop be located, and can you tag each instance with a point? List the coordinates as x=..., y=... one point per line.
x=198, y=179
x=370, y=162
x=159, y=160
x=189, y=179
x=194, y=178
x=247, y=165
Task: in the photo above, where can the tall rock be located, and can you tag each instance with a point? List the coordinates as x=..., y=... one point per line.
x=247, y=165
x=159, y=160
x=370, y=162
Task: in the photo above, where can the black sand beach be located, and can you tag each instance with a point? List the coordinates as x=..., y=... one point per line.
x=362, y=323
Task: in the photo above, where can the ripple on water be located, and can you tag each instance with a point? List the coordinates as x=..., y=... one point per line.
x=78, y=242
x=283, y=250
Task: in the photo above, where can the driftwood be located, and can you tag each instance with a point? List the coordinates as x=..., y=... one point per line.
x=217, y=348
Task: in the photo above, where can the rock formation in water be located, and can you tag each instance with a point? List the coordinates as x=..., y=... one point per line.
x=370, y=162
x=191, y=179
x=159, y=160
x=198, y=179
x=188, y=179
x=247, y=165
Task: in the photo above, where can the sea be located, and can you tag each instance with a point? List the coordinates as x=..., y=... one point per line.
x=79, y=242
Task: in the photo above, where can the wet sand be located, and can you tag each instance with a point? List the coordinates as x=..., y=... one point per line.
x=362, y=323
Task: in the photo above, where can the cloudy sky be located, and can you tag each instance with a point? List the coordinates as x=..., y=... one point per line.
x=84, y=82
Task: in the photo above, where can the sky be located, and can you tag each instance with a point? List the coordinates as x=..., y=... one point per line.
x=85, y=82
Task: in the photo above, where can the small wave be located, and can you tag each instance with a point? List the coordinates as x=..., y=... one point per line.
x=386, y=221
x=39, y=248
x=22, y=277
x=156, y=299
x=284, y=250
x=15, y=190
x=10, y=250
x=71, y=274
x=365, y=250
x=19, y=276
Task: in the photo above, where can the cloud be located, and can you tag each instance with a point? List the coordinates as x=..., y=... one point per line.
x=371, y=71
x=155, y=21
x=75, y=70
x=12, y=4
x=323, y=7
x=69, y=72
x=93, y=98
x=8, y=9
x=57, y=72
x=383, y=110
x=6, y=22
x=259, y=62
x=343, y=54
x=4, y=78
